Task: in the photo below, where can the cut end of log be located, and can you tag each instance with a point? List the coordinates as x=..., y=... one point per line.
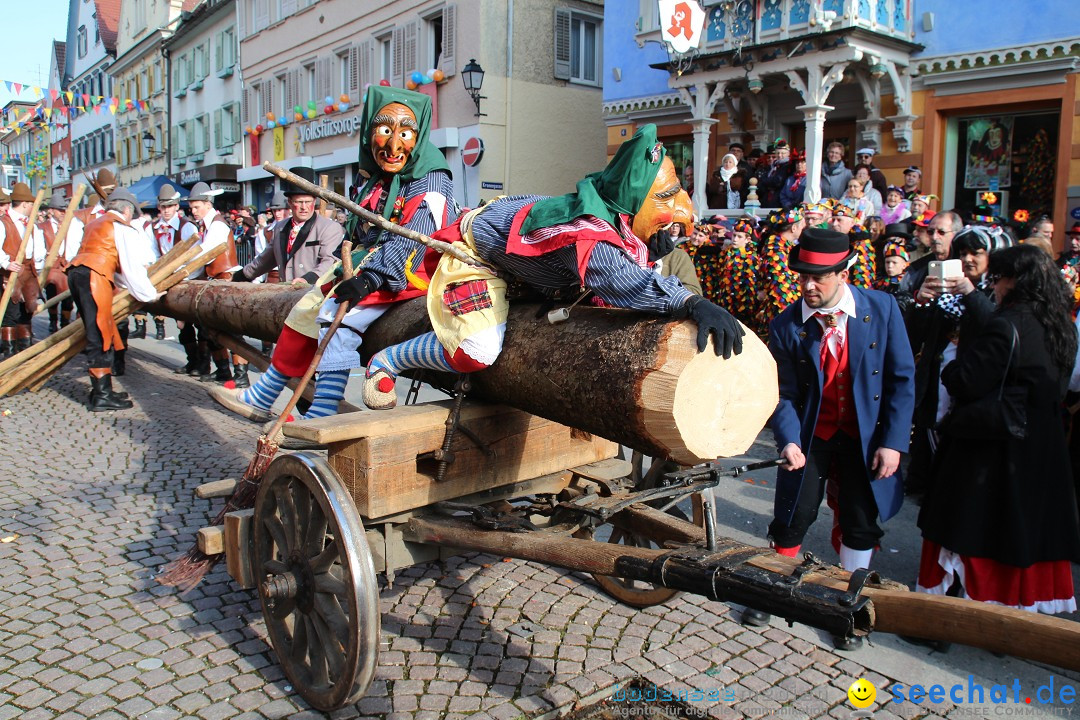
x=702, y=407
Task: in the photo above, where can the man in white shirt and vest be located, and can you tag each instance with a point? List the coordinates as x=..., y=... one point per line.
x=15, y=334
x=169, y=229
x=56, y=281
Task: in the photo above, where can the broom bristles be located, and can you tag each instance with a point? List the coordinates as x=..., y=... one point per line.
x=187, y=571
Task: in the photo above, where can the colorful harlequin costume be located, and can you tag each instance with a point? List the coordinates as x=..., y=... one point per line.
x=389, y=268
x=708, y=262
x=778, y=284
x=739, y=269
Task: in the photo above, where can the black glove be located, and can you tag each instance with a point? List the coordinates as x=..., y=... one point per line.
x=710, y=318
x=239, y=276
x=354, y=290
x=660, y=245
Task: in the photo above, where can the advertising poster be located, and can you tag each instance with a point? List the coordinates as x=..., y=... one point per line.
x=989, y=153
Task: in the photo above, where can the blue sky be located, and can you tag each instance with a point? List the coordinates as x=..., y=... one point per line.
x=28, y=44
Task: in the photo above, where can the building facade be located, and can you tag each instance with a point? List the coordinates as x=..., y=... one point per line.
x=298, y=57
x=921, y=81
x=91, y=50
x=59, y=125
x=21, y=149
x=139, y=77
x=206, y=140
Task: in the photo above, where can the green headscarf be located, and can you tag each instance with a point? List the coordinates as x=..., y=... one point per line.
x=620, y=188
x=425, y=157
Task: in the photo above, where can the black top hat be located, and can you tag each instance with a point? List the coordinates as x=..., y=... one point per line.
x=820, y=251
x=305, y=173
x=1075, y=230
x=900, y=229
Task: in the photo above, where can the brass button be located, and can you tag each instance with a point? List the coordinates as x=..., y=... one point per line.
x=875, y=372
x=866, y=318
x=873, y=345
x=802, y=335
x=877, y=397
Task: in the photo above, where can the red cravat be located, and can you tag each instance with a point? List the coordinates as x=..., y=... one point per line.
x=293, y=232
x=831, y=330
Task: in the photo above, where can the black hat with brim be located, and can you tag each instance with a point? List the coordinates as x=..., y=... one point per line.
x=820, y=251
x=900, y=229
x=304, y=173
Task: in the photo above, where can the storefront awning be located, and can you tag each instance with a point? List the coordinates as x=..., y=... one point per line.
x=146, y=190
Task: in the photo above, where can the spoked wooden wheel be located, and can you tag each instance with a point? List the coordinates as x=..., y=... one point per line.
x=316, y=581
x=636, y=593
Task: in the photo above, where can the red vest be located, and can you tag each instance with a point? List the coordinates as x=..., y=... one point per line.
x=837, y=409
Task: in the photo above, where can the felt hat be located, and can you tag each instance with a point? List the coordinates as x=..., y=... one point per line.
x=5, y=195
x=900, y=229
x=202, y=191
x=896, y=250
x=93, y=200
x=304, y=173
x=21, y=193
x=106, y=179
x=277, y=202
x=168, y=195
x=122, y=193
x=923, y=220
x=57, y=201
x=820, y=251
x=1074, y=230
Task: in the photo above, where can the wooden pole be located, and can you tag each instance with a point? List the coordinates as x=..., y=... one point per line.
x=61, y=233
x=370, y=217
x=324, y=183
x=13, y=278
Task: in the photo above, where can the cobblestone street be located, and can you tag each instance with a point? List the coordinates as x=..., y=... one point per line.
x=92, y=505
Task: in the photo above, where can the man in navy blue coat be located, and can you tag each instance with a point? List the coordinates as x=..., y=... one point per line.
x=847, y=392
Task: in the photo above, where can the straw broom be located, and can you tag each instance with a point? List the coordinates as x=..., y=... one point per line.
x=186, y=571
x=13, y=279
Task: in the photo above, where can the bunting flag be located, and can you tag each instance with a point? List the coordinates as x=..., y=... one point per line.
x=70, y=96
x=18, y=88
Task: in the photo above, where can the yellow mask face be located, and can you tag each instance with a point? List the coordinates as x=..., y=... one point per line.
x=393, y=137
x=665, y=204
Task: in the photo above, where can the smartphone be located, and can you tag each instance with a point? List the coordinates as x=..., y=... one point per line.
x=945, y=269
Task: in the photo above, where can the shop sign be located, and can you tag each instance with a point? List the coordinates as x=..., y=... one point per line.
x=225, y=186
x=190, y=177
x=329, y=127
x=491, y=185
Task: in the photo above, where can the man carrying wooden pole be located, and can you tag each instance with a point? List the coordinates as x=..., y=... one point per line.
x=23, y=243
x=63, y=234
x=110, y=245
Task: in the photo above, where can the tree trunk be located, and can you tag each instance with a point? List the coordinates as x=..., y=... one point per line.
x=631, y=378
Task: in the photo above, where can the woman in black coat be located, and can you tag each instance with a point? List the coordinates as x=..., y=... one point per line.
x=1001, y=514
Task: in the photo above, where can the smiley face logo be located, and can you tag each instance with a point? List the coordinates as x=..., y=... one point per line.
x=861, y=693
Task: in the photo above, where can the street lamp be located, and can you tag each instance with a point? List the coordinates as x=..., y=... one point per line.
x=473, y=77
x=148, y=143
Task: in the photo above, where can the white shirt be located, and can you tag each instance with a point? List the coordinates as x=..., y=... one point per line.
x=131, y=248
x=36, y=249
x=169, y=231
x=73, y=239
x=216, y=234
x=846, y=309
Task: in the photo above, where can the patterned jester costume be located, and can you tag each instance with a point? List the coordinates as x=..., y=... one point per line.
x=778, y=285
x=739, y=268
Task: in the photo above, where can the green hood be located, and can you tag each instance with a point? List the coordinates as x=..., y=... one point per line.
x=425, y=157
x=620, y=188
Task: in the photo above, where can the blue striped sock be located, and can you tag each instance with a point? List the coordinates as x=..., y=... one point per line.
x=265, y=390
x=420, y=353
x=329, y=390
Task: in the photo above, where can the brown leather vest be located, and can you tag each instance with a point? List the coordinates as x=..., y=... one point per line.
x=98, y=249
x=218, y=269
x=12, y=237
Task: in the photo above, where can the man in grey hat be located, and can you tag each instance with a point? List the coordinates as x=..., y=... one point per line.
x=110, y=247
x=57, y=281
x=169, y=229
x=279, y=212
x=303, y=249
x=214, y=232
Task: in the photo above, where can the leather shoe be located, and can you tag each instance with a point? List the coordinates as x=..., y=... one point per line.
x=755, y=618
x=847, y=644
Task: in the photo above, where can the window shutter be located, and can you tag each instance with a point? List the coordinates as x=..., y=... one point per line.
x=288, y=7
x=562, y=44
x=447, y=63
x=410, y=59
x=397, y=73
x=325, y=79
x=219, y=51
x=287, y=102
x=204, y=54
x=176, y=73
x=241, y=17
x=205, y=134
x=231, y=47
x=245, y=106
x=354, y=70
x=365, y=67
x=172, y=142
x=218, y=140
x=262, y=14
x=190, y=140
x=236, y=134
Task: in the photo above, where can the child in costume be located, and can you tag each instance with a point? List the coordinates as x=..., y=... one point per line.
x=896, y=264
x=894, y=210
x=705, y=250
x=739, y=274
x=778, y=286
x=847, y=220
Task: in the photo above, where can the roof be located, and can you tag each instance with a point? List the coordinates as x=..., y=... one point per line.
x=60, y=51
x=108, y=17
x=190, y=5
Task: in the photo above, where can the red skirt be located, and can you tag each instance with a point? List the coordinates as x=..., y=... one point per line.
x=1045, y=587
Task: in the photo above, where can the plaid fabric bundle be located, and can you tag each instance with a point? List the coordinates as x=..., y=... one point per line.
x=467, y=297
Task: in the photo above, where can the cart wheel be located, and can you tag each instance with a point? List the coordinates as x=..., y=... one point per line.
x=636, y=593
x=316, y=581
